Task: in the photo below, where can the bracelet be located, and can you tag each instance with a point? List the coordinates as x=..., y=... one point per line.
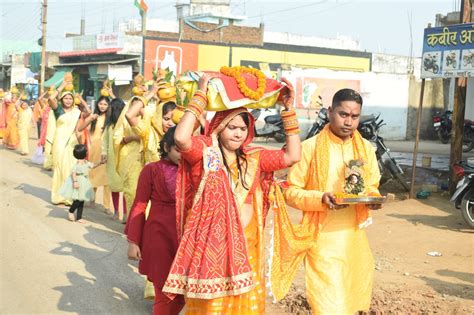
x=192, y=111
x=290, y=122
x=200, y=99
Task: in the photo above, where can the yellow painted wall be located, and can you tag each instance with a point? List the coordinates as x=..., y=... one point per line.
x=305, y=60
x=211, y=58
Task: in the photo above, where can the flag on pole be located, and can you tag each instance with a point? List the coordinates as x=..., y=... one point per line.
x=141, y=5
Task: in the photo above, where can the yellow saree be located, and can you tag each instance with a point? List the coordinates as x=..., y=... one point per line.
x=129, y=158
x=63, y=145
x=24, y=126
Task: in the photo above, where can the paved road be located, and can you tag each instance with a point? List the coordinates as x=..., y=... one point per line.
x=50, y=265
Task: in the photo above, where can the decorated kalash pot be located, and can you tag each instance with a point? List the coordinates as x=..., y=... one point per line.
x=139, y=87
x=354, y=187
x=230, y=88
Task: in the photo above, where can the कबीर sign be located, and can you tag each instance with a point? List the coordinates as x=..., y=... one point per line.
x=448, y=51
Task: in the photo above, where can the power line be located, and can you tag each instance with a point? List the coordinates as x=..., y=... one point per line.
x=288, y=9
x=306, y=15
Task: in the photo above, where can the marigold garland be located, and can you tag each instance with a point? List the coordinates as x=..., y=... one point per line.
x=236, y=73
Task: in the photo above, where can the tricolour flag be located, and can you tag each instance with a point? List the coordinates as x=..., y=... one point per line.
x=141, y=5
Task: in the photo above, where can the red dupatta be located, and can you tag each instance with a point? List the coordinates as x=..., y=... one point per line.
x=211, y=260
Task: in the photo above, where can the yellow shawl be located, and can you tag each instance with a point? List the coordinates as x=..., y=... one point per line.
x=291, y=242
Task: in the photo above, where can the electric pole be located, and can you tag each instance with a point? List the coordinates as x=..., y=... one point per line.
x=43, y=45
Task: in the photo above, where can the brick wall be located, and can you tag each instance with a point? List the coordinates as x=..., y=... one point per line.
x=230, y=34
x=241, y=35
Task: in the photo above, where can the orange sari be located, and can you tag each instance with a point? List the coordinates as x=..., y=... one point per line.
x=11, y=137
x=219, y=266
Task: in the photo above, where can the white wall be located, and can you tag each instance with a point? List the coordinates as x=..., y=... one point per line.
x=382, y=93
x=470, y=99
x=340, y=42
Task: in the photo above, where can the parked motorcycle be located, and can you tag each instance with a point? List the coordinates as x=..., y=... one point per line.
x=468, y=137
x=463, y=197
x=273, y=127
x=369, y=127
x=442, y=124
x=321, y=120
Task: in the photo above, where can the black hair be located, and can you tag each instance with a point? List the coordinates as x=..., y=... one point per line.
x=240, y=156
x=167, y=141
x=113, y=113
x=80, y=151
x=168, y=106
x=97, y=111
x=346, y=95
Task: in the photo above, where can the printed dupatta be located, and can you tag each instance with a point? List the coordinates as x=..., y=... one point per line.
x=211, y=261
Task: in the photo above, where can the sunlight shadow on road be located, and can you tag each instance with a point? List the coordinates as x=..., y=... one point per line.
x=460, y=290
x=28, y=163
x=41, y=193
x=451, y=223
x=463, y=276
x=110, y=285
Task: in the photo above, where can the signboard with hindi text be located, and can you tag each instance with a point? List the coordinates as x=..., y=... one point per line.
x=448, y=51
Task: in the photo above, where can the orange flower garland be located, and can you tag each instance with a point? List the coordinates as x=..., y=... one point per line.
x=236, y=73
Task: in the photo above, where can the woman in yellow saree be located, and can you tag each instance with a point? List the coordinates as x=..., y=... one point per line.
x=222, y=200
x=11, y=137
x=96, y=121
x=66, y=117
x=150, y=123
x=25, y=115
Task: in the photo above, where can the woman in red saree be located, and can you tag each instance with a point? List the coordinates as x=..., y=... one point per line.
x=222, y=190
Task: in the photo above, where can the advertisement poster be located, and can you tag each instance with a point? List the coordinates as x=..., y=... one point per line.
x=448, y=51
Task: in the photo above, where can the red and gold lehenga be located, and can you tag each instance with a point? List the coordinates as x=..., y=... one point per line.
x=219, y=266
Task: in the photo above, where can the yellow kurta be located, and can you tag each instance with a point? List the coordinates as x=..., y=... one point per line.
x=98, y=175
x=129, y=158
x=339, y=266
x=62, y=152
x=24, y=126
x=115, y=181
x=50, y=133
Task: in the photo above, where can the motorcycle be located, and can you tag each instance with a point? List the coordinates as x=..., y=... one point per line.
x=321, y=120
x=468, y=137
x=451, y=60
x=463, y=197
x=430, y=64
x=273, y=127
x=369, y=127
x=442, y=124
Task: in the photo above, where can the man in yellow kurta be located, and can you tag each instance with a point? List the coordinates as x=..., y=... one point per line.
x=339, y=263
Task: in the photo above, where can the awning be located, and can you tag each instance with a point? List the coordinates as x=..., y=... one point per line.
x=89, y=52
x=57, y=77
x=102, y=62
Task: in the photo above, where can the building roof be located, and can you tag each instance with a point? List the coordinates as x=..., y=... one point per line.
x=89, y=52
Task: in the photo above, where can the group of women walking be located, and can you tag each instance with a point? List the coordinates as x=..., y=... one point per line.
x=196, y=195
